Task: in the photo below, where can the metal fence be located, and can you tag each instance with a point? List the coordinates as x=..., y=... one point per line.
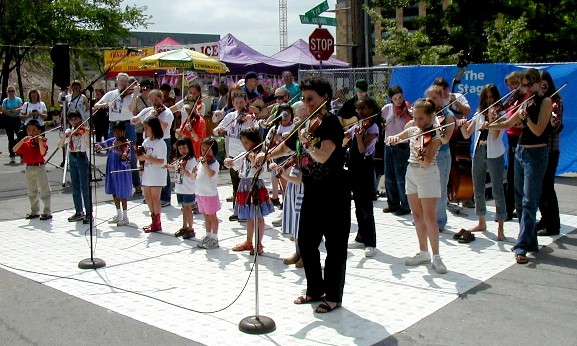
x=343, y=80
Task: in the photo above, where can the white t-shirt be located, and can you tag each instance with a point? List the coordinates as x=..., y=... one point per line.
x=77, y=142
x=77, y=105
x=28, y=108
x=154, y=174
x=205, y=185
x=117, y=110
x=233, y=128
x=183, y=184
x=166, y=116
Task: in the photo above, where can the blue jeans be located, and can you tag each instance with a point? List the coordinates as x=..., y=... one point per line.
x=496, y=167
x=130, y=134
x=530, y=167
x=79, y=181
x=395, y=170
x=444, y=164
x=165, y=192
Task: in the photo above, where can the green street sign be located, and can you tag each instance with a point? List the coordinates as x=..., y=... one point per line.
x=318, y=9
x=318, y=20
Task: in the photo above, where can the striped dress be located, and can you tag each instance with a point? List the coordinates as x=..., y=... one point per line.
x=292, y=208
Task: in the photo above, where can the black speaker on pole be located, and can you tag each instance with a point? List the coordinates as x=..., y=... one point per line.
x=60, y=55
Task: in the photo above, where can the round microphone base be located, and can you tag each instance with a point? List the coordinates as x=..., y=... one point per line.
x=91, y=263
x=257, y=325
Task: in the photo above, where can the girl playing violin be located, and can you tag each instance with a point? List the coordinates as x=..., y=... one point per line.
x=443, y=117
x=361, y=171
x=488, y=155
x=32, y=148
x=395, y=116
x=231, y=125
x=422, y=182
x=185, y=184
x=207, y=192
x=250, y=188
x=192, y=123
x=118, y=184
x=154, y=174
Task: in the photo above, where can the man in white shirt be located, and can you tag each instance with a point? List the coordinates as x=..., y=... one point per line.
x=460, y=106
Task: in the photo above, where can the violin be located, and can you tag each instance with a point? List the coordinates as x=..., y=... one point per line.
x=125, y=92
x=139, y=152
x=159, y=108
x=34, y=142
x=364, y=126
x=287, y=164
x=402, y=111
x=425, y=140
x=122, y=148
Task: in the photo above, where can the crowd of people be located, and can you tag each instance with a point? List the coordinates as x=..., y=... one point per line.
x=319, y=160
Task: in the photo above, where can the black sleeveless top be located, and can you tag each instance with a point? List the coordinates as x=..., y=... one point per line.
x=527, y=136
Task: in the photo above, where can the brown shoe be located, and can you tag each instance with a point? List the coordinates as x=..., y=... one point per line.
x=300, y=264
x=292, y=260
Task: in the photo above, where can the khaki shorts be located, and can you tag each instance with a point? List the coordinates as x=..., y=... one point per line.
x=424, y=181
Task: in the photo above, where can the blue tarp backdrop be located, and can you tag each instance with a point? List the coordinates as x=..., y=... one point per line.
x=414, y=80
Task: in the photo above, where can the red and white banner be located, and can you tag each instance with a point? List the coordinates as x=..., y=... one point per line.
x=209, y=48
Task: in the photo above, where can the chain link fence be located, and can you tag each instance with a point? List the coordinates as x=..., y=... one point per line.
x=343, y=81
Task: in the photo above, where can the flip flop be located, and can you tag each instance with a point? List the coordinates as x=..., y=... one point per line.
x=324, y=308
x=458, y=235
x=305, y=300
x=467, y=237
x=521, y=259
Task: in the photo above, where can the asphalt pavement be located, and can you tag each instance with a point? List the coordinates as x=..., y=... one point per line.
x=533, y=304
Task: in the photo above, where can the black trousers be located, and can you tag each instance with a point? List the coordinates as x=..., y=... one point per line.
x=510, y=191
x=13, y=125
x=548, y=204
x=325, y=212
x=362, y=186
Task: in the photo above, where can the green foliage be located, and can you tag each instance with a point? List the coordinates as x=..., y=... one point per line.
x=506, y=41
x=484, y=31
x=87, y=24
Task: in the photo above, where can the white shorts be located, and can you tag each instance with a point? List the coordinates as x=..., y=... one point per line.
x=424, y=181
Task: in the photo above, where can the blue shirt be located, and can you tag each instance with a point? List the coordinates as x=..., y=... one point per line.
x=12, y=104
x=293, y=90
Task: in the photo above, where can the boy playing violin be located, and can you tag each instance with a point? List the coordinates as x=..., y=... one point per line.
x=422, y=182
x=77, y=137
x=32, y=148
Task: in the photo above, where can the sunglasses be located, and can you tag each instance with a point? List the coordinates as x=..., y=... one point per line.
x=528, y=85
x=307, y=99
x=279, y=97
x=11, y=91
x=544, y=86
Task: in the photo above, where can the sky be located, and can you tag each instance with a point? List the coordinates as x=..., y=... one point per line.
x=254, y=22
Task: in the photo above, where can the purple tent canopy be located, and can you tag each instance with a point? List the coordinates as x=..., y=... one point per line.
x=240, y=58
x=299, y=52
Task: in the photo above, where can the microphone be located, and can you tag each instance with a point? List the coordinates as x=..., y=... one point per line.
x=133, y=50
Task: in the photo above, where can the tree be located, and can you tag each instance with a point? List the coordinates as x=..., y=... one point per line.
x=26, y=25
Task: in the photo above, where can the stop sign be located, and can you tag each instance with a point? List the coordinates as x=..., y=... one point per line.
x=321, y=44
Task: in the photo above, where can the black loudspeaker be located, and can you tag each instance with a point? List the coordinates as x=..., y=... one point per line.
x=60, y=55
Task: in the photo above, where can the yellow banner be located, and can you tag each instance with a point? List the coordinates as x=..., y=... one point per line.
x=125, y=61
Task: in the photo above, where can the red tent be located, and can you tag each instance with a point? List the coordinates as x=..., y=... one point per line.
x=167, y=42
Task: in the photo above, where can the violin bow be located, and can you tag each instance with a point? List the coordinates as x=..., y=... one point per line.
x=115, y=145
x=45, y=132
x=360, y=121
x=440, y=111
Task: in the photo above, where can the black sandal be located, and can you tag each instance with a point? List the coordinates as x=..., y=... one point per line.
x=31, y=216
x=306, y=299
x=458, y=235
x=324, y=308
x=467, y=237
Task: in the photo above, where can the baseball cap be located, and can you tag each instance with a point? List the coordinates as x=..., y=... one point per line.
x=250, y=75
x=361, y=85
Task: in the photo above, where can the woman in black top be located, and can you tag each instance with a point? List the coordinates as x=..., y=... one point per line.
x=530, y=160
x=326, y=205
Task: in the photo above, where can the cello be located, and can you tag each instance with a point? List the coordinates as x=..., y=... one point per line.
x=460, y=187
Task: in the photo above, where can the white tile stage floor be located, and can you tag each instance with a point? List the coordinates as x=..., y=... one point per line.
x=201, y=295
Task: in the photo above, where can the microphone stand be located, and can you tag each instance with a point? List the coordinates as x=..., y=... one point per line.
x=256, y=324
x=93, y=262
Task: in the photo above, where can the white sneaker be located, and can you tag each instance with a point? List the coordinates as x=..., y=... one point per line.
x=202, y=243
x=277, y=223
x=438, y=265
x=123, y=222
x=419, y=258
x=356, y=245
x=115, y=219
x=370, y=251
x=211, y=244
